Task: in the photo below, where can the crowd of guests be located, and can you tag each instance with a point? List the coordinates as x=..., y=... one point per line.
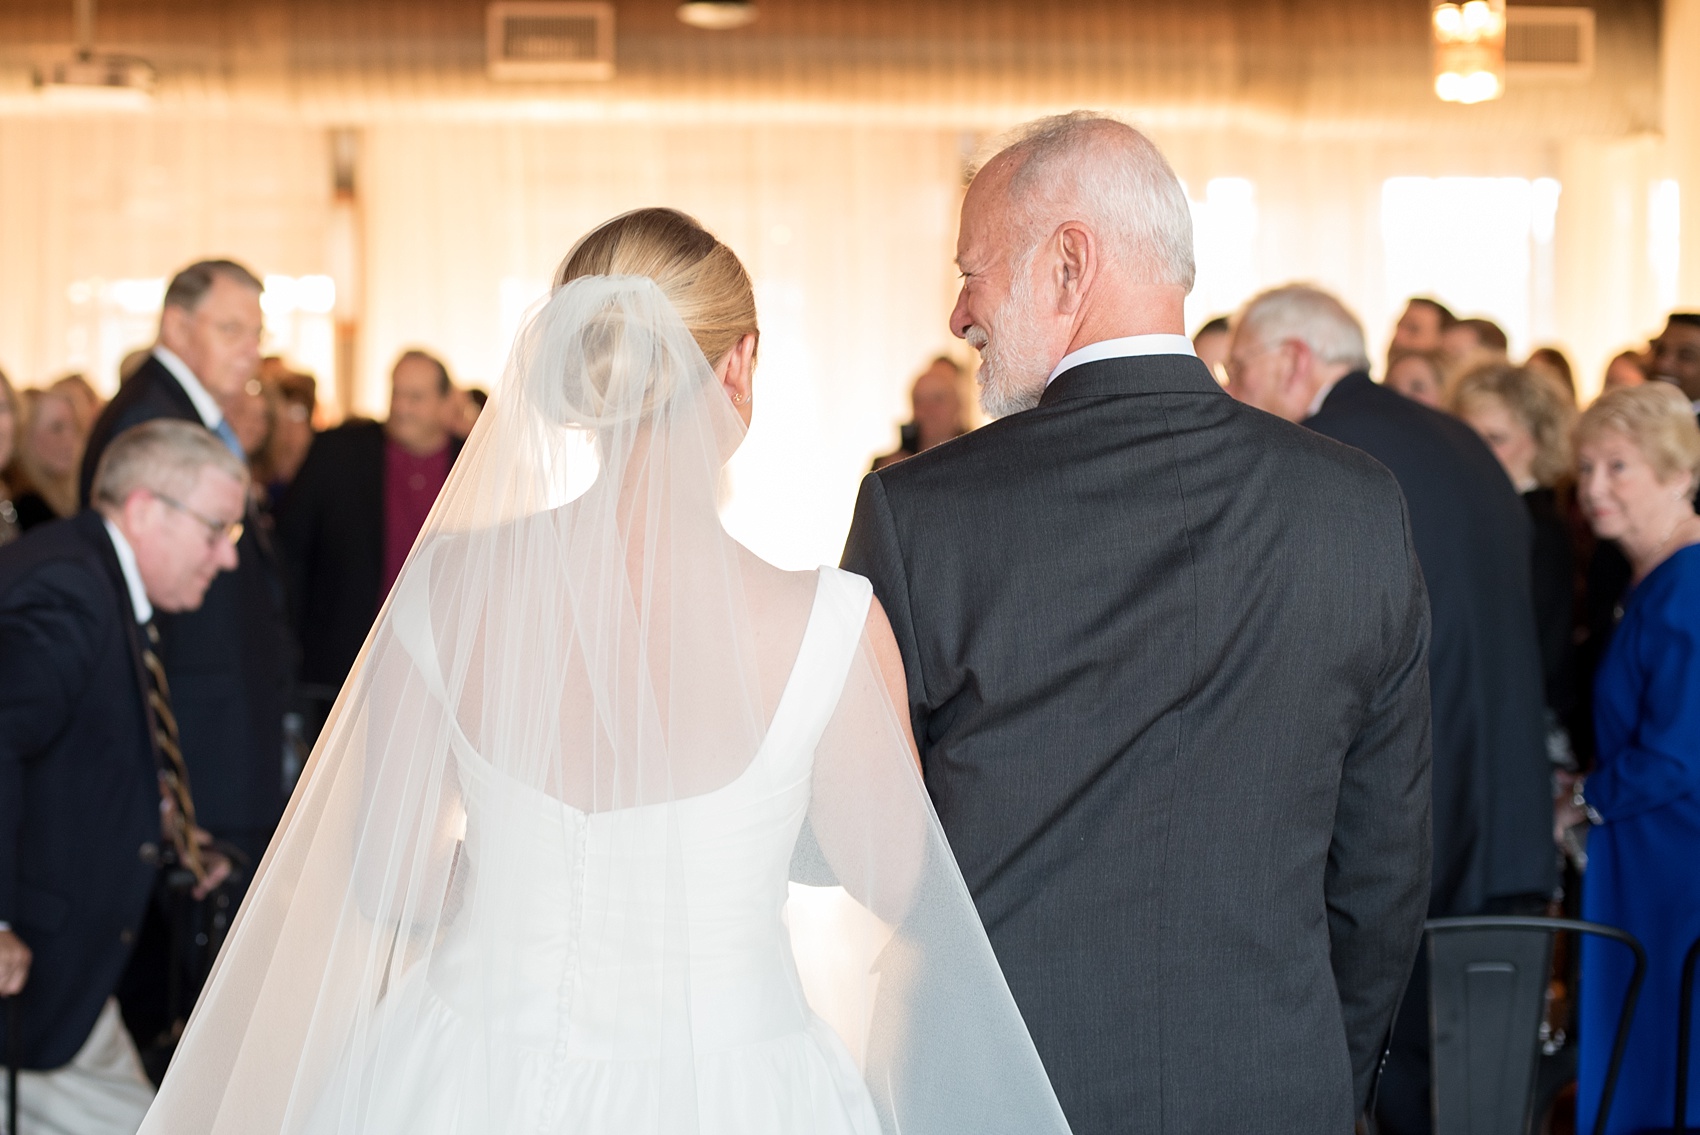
x=1558, y=546
x=200, y=540
x=1565, y=662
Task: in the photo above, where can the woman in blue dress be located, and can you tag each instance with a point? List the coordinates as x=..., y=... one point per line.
x=1638, y=460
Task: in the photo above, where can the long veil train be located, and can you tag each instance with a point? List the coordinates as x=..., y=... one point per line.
x=495, y=885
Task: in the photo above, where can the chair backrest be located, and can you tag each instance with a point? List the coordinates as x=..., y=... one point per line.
x=1487, y=994
x=1685, y=1037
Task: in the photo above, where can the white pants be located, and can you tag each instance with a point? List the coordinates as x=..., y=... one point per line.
x=102, y=1091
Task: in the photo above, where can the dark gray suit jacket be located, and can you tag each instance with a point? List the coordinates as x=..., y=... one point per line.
x=1166, y=659
x=1492, y=778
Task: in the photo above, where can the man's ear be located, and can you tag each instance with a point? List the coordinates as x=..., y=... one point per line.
x=1077, y=264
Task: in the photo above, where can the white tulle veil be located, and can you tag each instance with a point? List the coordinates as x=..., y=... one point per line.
x=575, y=627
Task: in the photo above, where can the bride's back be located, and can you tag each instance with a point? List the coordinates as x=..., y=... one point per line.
x=621, y=648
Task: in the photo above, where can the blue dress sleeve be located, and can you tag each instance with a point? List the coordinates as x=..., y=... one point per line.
x=1659, y=760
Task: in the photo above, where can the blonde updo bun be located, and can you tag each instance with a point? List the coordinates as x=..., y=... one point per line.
x=701, y=278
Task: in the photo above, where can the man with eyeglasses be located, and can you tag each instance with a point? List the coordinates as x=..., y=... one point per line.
x=229, y=662
x=95, y=805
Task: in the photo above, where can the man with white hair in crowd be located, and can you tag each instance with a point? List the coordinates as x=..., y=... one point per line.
x=94, y=800
x=1167, y=672
x=1299, y=354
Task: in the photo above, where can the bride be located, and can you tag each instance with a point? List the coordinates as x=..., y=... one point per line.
x=615, y=827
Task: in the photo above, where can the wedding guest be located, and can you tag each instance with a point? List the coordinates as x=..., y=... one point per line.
x=464, y=408
x=8, y=446
x=1201, y=857
x=350, y=518
x=249, y=417
x=44, y=482
x=227, y=661
x=83, y=398
x=1421, y=326
x=1470, y=340
x=1550, y=362
x=1627, y=368
x=1416, y=375
x=936, y=411
x=86, y=799
x=1638, y=457
x=1299, y=354
x=1525, y=418
x=1211, y=343
x=1676, y=355
x=292, y=399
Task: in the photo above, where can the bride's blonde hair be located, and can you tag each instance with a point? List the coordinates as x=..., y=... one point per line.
x=701, y=278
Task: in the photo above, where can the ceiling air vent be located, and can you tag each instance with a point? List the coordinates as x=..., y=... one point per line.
x=1549, y=43
x=532, y=41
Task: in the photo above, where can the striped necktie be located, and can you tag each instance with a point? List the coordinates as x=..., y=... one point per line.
x=173, y=773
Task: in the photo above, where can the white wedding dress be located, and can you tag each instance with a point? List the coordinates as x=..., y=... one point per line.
x=612, y=829
x=577, y=1036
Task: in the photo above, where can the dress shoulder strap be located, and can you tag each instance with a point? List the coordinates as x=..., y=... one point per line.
x=830, y=642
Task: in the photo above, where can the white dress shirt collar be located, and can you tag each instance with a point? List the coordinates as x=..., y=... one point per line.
x=1124, y=348
x=1321, y=397
x=132, y=573
x=205, y=405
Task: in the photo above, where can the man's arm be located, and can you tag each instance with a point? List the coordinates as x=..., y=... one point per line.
x=1377, y=881
x=872, y=550
x=48, y=632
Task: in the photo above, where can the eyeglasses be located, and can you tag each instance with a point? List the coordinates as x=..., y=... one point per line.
x=233, y=330
x=217, y=530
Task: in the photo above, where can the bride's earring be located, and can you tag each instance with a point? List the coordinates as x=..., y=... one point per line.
x=740, y=399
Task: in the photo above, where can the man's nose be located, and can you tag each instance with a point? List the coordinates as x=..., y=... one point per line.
x=959, y=319
x=225, y=556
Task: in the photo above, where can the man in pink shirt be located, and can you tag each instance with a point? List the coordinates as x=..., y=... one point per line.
x=351, y=516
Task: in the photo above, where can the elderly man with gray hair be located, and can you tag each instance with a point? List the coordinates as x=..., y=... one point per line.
x=94, y=799
x=1167, y=670
x=1299, y=354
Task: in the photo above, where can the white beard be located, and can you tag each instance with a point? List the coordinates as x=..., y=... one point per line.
x=1012, y=370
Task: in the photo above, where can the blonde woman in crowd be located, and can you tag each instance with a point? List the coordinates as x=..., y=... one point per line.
x=1525, y=418
x=50, y=449
x=1638, y=458
x=8, y=439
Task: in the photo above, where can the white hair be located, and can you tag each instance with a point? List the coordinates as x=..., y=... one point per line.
x=1119, y=180
x=164, y=455
x=1310, y=315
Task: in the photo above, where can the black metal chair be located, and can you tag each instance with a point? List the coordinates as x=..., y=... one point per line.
x=1487, y=993
x=1685, y=1036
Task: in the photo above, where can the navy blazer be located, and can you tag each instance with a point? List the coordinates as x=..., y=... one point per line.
x=1492, y=777
x=79, y=791
x=229, y=662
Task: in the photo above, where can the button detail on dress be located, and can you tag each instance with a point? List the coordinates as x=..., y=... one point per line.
x=148, y=853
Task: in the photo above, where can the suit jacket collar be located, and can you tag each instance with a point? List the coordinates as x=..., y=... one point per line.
x=1346, y=390
x=92, y=528
x=1140, y=374
x=156, y=375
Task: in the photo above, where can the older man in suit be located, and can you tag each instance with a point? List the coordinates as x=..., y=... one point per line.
x=86, y=761
x=350, y=518
x=229, y=661
x=1166, y=664
x=1299, y=354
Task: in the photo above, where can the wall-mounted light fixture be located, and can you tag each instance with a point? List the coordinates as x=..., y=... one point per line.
x=718, y=15
x=1469, y=50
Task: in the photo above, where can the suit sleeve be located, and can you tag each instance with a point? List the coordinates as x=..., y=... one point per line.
x=48, y=640
x=1377, y=880
x=872, y=550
